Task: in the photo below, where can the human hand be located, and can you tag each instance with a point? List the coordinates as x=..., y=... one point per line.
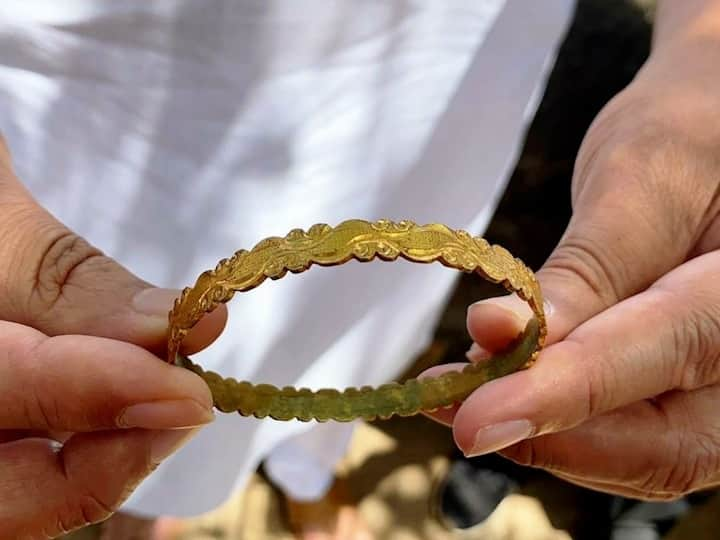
x=86, y=412
x=624, y=399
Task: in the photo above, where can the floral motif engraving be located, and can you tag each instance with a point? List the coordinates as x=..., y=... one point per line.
x=327, y=246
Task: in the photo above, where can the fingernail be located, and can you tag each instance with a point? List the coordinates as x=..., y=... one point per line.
x=155, y=302
x=167, y=442
x=498, y=436
x=169, y=414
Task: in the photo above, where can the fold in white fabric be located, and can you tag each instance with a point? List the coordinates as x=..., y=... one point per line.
x=172, y=133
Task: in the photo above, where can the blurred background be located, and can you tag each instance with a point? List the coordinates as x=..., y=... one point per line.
x=408, y=479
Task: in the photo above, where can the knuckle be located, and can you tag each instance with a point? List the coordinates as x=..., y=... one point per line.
x=663, y=482
x=619, y=150
x=597, y=389
x=623, y=160
x=662, y=165
x=91, y=509
x=43, y=406
x=696, y=341
x=666, y=469
x=697, y=460
x=65, y=523
x=689, y=459
x=636, y=151
x=92, y=500
x=46, y=411
x=40, y=407
x=595, y=380
x=80, y=511
x=63, y=256
x=582, y=259
x=529, y=453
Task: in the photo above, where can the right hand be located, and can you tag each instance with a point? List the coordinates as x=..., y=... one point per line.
x=624, y=397
x=86, y=410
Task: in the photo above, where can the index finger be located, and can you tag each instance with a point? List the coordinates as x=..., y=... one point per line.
x=664, y=338
x=83, y=383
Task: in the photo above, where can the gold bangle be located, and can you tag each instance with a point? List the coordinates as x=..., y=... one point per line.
x=331, y=246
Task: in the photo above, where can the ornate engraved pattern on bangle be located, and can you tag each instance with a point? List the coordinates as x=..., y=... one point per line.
x=363, y=241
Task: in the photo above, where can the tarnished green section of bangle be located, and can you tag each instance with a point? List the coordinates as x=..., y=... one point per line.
x=406, y=399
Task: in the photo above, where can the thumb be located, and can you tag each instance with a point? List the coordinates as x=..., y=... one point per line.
x=55, y=281
x=624, y=234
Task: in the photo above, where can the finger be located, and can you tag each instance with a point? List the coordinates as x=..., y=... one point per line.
x=496, y=324
x=664, y=338
x=494, y=327
x=47, y=490
x=651, y=449
x=81, y=383
x=55, y=281
x=629, y=227
x=445, y=415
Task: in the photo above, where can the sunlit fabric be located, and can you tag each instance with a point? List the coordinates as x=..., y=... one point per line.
x=172, y=133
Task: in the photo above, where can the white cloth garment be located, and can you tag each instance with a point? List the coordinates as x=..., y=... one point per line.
x=172, y=133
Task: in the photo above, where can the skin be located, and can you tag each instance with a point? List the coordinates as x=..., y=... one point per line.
x=624, y=399
x=76, y=331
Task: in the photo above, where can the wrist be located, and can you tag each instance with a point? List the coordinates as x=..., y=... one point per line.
x=680, y=84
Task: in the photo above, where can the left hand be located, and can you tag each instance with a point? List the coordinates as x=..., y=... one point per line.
x=625, y=397
x=86, y=410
